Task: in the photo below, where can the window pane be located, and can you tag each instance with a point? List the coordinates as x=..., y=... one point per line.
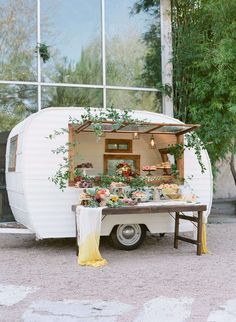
x=16, y=103
x=112, y=146
x=12, y=154
x=71, y=96
x=73, y=32
x=18, y=40
x=135, y=100
x=125, y=46
x=123, y=146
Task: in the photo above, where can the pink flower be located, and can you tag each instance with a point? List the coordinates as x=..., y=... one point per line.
x=103, y=193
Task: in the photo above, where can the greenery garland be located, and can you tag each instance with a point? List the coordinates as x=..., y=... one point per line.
x=192, y=142
x=96, y=117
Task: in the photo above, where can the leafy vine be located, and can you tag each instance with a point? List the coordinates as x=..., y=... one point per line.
x=119, y=118
x=192, y=142
x=96, y=117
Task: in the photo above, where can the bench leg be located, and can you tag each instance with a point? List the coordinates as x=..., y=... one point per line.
x=176, y=241
x=199, y=233
x=76, y=237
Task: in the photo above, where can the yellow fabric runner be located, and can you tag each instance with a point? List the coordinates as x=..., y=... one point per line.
x=204, y=240
x=89, y=228
x=89, y=253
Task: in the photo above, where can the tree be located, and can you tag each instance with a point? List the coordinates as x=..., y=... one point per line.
x=204, y=61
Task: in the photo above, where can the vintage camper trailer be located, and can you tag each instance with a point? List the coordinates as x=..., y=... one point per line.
x=42, y=207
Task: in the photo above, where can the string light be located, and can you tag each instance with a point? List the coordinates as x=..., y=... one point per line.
x=136, y=136
x=152, y=143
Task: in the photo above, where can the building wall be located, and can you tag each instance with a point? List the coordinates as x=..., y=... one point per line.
x=225, y=187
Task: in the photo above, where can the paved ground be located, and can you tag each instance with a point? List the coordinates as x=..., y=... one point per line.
x=42, y=282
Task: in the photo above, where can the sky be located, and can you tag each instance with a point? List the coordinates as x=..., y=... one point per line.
x=75, y=23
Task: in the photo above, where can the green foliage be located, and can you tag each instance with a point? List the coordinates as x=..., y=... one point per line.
x=205, y=87
x=176, y=150
x=138, y=183
x=104, y=181
x=8, y=121
x=192, y=142
x=96, y=116
x=44, y=52
x=204, y=61
x=61, y=177
x=152, y=71
x=12, y=114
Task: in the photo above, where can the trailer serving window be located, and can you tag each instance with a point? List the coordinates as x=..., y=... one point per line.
x=12, y=154
x=122, y=150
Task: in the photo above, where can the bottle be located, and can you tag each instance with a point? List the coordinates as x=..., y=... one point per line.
x=156, y=194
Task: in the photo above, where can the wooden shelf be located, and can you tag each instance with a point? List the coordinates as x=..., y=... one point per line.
x=149, y=172
x=163, y=168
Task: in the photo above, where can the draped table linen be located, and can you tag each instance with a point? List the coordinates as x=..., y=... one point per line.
x=88, y=222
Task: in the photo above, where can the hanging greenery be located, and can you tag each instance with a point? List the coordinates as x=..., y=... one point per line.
x=44, y=52
x=96, y=116
x=119, y=118
x=192, y=141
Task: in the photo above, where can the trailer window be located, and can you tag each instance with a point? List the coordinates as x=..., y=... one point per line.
x=12, y=154
x=118, y=146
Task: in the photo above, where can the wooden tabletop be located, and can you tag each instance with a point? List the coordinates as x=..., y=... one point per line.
x=145, y=208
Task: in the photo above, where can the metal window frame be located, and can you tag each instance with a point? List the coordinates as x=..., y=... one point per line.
x=166, y=43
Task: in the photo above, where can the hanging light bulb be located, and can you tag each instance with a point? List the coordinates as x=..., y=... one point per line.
x=136, y=136
x=152, y=143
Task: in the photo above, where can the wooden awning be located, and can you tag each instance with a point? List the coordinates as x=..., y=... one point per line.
x=142, y=128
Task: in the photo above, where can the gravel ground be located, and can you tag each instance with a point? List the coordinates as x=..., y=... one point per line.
x=155, y=271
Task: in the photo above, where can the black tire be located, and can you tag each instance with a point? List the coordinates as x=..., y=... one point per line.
x=128, y=236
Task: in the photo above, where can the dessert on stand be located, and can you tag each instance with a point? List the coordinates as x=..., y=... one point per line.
x=149, y=169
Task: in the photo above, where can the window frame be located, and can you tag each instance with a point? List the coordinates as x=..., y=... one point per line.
x=12, y=154
x=166, y=43
x=119, y=142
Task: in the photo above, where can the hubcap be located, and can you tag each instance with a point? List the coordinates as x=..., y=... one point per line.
x=129, y=235
x=128, y=232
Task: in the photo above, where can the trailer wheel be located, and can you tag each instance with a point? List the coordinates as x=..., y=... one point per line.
x=128, y=236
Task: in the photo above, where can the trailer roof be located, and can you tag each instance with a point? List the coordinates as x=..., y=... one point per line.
x=141, y=128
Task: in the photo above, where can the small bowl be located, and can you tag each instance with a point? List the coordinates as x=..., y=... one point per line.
x=173, y=196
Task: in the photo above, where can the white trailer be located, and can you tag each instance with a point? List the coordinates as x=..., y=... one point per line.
x=38, y=204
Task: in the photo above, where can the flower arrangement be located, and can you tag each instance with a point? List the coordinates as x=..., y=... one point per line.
x=139, y=195
x=100, y=197
x=125, y=170
x=83, y=182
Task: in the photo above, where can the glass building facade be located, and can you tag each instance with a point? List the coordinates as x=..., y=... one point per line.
x=97, y=55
